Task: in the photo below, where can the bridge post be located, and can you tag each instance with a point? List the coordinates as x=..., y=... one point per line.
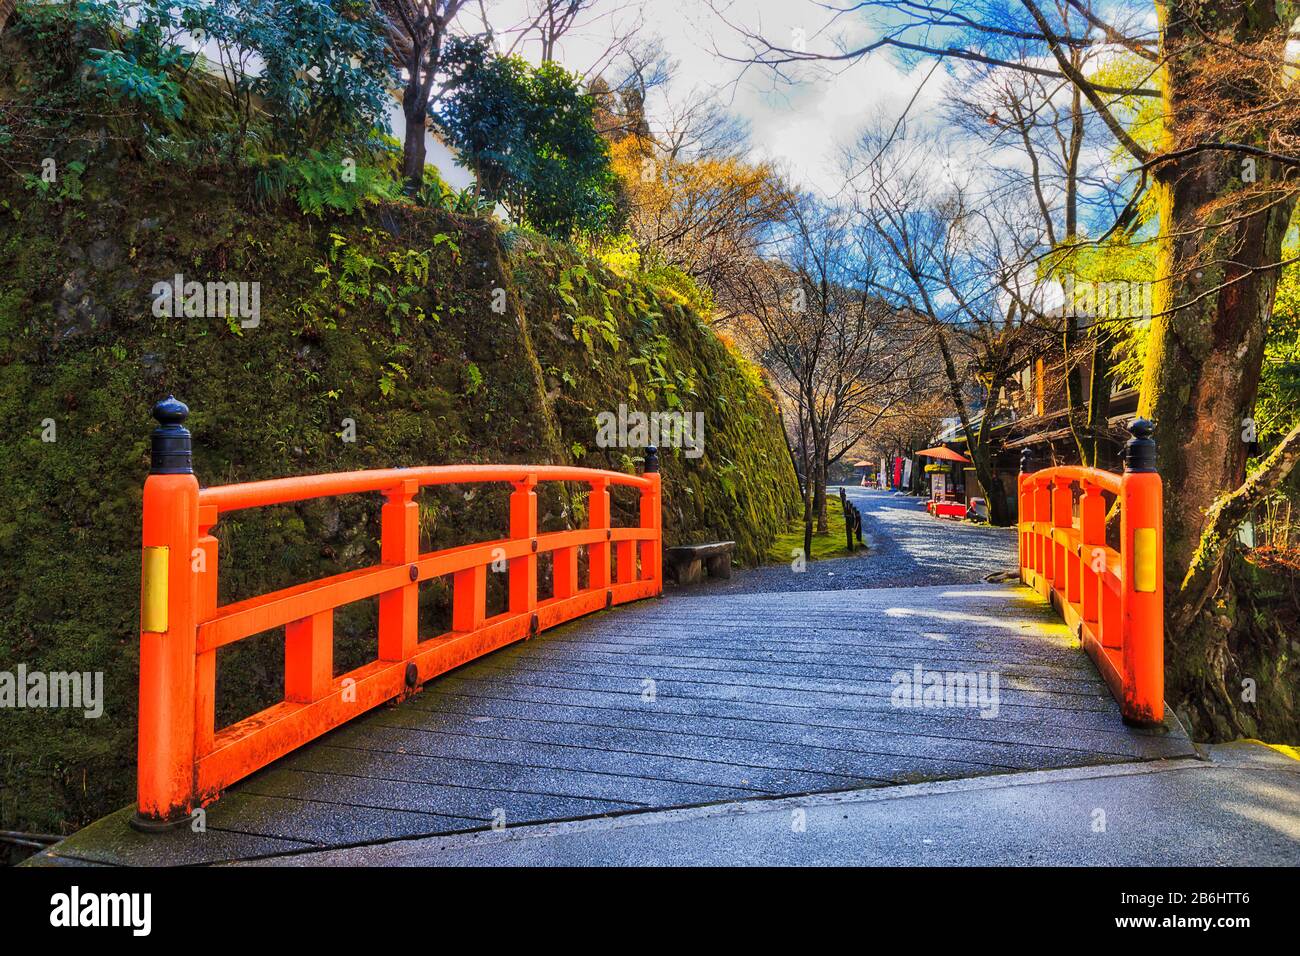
x=169, y=595
x=1025, y=509
x=652, y=517
x=1142, y=596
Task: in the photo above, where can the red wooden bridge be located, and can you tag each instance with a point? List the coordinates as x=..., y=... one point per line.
x=709, y=696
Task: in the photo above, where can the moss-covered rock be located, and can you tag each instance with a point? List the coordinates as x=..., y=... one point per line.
x=434, y=339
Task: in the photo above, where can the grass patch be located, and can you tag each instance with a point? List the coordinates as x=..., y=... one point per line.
x=832, y=544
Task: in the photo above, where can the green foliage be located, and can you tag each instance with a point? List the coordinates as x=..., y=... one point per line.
x=323, y=183
x=123, y=78
x=473, y=379
x=65, y=188
x=325, y=71
x=138, y=70
x=530, y=136
x=670, y=278
x=354, y=276
x=1278, y=406
x=436, y=194
x=832, y=544
x=318, y=67
x=1125, y=336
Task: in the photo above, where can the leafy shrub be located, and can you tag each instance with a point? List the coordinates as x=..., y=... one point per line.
x=139, y=69
x=666, y=277
x=322, y=183
x=529, y=135
x=436, y=194
x=324, y=75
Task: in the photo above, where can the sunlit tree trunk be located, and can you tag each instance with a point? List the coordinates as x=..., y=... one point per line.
x=1213, y=301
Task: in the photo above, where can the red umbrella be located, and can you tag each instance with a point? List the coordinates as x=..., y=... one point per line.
x=947, y=454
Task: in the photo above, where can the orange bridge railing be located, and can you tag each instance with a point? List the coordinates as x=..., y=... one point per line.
x=185, y=761
x=1112, y=598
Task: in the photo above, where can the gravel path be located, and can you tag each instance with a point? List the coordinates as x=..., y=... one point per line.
x=908, y=548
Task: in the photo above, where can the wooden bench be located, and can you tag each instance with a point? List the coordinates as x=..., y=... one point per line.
x=688, y=561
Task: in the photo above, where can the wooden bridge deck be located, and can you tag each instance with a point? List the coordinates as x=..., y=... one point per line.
x=691, y=700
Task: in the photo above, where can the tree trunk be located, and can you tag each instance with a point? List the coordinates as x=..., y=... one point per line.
x=1098, y=396
x=991, y=488
x=413, y=149
x=819, y=495
x=1213, y=301
x=807, y=521
x=1203, y=361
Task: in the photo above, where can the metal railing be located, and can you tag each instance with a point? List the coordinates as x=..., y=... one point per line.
x=185, y=761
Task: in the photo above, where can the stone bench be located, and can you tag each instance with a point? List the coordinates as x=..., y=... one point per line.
x=688, y=561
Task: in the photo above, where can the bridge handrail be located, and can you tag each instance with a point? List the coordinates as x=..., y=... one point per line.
x=278, y=491
x=1113, y=599
x=184, y=761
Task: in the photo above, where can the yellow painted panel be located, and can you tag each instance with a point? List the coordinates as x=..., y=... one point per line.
x=153, y=590
x=1144, y=560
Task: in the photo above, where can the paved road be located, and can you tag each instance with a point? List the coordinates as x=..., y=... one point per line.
x=1239, y=808
x=908, y=548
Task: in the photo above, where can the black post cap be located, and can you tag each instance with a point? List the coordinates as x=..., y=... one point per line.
x=1140, y=450
x=651, y=459
x=1028, y=461
x=171, y=439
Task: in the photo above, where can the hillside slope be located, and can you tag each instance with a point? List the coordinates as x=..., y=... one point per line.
x=439, y=339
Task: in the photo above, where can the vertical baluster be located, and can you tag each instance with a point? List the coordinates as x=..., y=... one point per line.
x=1062, y=517
x=523, y=527
x=1043, y=517
x=564, y=572
x=400, y=544
x=469, y=598
x=309, y=658
x=1092, y=534
x=1025, y=513
x=598, y=520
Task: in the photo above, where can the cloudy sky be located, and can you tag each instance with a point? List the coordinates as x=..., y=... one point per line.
x=803, y=125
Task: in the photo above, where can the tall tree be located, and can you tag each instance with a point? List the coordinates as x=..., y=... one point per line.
x=417, y=31
x=839, y=356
